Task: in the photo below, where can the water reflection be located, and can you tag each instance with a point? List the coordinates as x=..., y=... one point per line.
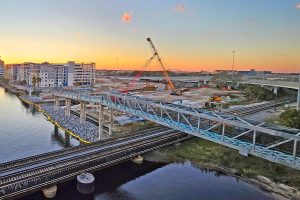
x=128, y=181
x=26, y=132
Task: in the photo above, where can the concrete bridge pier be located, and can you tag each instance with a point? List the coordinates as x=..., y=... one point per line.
x=82, y=112
x=56, y=103
x=276, y=90
x=50, y=192
x=100, y=120
x=111, y=121
x=68, y=108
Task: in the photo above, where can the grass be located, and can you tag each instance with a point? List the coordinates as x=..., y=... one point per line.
x=205, y=153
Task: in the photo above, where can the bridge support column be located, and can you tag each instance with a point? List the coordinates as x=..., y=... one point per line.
x=50, y=192
x=111, y=121
x=56, y=103
x=82, y=112
x=100, y=121
x=85, y=183
x=68, y=108
x=138, y=159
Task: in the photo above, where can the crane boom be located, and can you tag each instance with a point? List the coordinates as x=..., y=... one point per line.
x=165, y=73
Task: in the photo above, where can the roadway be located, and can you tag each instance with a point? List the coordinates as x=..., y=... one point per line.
x=271, y=83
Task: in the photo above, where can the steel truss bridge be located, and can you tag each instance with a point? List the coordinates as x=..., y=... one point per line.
x=257, y=139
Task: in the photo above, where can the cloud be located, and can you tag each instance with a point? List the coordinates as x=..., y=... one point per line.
x=127, y=17
x=179, y=8
x=298, y=6
x=78, y=34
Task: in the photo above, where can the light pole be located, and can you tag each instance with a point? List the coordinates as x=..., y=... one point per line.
x=233, y=62
x=298, y=98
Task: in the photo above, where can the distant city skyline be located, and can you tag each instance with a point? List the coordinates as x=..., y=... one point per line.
x=190, y=35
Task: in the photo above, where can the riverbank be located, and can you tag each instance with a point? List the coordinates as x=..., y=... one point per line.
x=54, y=121
x=282, y=182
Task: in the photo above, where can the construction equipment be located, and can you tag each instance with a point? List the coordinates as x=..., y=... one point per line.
x=165, y=73
x=214, y=102
x=138, y=75
x=215, y=99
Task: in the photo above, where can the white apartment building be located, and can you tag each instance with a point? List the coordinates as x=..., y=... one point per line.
x=53, y=75
x=1, y=68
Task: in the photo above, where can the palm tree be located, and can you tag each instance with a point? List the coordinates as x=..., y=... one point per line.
x=34, y=80
x=39, y=80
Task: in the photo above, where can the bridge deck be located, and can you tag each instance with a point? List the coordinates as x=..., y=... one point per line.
x=232, y=131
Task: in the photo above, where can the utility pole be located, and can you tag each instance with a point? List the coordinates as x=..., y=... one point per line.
x=298, y=98
x=233, y=62
x=117, y=64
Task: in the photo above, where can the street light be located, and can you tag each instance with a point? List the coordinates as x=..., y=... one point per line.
x=298, y=98
x=233, y=62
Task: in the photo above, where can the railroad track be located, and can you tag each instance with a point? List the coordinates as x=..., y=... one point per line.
x=53, y=172
x=82, y=157
x=256, y=108
x=12, y=165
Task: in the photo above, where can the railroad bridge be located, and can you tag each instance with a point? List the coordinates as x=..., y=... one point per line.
x=27, y=175
x=257, y=139
x=177, y=123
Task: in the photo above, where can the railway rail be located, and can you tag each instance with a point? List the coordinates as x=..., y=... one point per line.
x=20, y=180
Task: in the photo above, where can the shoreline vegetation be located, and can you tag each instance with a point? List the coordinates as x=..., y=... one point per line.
x=279, y=181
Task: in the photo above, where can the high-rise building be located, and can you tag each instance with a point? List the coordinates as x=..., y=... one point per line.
x=52, y=74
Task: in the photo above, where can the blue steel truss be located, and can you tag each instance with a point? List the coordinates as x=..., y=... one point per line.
x=203, y=124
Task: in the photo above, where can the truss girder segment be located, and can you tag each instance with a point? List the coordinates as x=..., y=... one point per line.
x=125, y=104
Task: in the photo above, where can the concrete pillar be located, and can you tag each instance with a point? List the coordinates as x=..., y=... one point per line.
x=85, y=183
x=100, y=120
x=275, y=90
x=298, y=98
x=138, y=159
x=56, y=103
x=111, y=121
x=68, y=108
x=82, y=112
x=50, y=192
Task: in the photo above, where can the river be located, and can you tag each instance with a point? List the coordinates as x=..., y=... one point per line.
x=25, y=132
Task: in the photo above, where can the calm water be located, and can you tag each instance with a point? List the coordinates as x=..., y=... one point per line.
x=150, y=181
x=25, y=132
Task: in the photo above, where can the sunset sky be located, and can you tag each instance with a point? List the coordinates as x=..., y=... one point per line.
x=190, y=35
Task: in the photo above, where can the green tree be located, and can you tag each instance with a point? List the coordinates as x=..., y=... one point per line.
x=23, y=82
x=38, y=80
x=34, y=81
x=290, y=118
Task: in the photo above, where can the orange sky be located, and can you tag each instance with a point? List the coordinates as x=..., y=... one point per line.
x=193, y=36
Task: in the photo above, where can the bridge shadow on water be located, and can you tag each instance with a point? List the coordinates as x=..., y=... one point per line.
x=151, y=180
x=107, y=185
